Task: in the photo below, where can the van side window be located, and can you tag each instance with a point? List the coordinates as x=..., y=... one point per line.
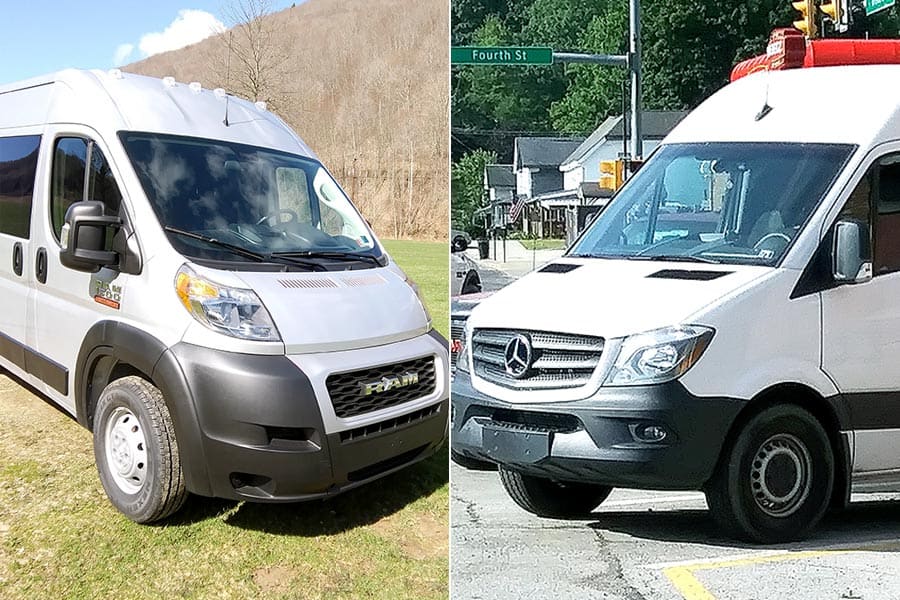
x=18, y=166
x=887, y=221
x=80, y=172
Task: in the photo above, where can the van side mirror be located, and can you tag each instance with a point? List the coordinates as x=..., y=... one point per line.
x=852, y=255
x=83, y=237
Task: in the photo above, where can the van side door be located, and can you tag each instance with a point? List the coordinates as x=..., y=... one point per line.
x=18, y=170
x=69, y=302
x=861, y=331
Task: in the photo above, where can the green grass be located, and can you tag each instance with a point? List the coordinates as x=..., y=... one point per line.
x=60, y=537
x=546, y=244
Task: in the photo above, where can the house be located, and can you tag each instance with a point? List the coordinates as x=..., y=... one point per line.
x=500, y=185
x=608, y=142
x=536, y=161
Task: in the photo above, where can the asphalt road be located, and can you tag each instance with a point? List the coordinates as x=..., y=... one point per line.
x=655, y=545
x=493, y=279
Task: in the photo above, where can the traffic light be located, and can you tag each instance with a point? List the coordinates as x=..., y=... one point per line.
x=837, y=11
x=612, y=174
x=807, y=22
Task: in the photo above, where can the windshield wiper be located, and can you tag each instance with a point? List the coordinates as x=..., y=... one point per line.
x=675, y=258
x=257, y=256
x=334, y=255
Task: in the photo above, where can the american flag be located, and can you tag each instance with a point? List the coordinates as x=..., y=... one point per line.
x=515, y=209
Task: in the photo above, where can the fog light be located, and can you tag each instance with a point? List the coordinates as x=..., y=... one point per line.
x=648, y=432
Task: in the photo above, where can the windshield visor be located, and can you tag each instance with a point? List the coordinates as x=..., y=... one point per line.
x=731, y=203
x=259, y=200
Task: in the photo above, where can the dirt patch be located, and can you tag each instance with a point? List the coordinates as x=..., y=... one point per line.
x=274, y=580
x=422, y=539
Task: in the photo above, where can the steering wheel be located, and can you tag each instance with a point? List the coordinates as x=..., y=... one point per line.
x=277, y=213
x=775, y=234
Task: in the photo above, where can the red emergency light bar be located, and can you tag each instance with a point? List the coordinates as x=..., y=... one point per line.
x=789, y=49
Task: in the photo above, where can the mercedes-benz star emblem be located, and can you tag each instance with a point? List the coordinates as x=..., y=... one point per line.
x=517, y=356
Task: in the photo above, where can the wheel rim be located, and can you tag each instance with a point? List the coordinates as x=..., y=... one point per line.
x=126, y=450
x=780, y=475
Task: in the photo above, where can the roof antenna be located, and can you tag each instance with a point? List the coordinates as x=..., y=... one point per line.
x=226, y=111
x=766, y=109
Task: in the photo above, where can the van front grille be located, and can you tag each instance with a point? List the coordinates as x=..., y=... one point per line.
x=557, y=360
x=367, y=390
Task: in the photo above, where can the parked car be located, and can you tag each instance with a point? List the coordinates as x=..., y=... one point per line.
x=728, y=324
x=183, y=277
x=459, y=240
x=464, y=276
x=460, y=309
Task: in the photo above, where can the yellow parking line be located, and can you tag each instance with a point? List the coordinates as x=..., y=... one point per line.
x=687, y=584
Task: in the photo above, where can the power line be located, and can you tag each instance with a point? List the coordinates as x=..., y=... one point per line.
x=485, y=132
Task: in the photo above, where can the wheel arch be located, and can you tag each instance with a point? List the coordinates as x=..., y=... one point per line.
x=111, y=350
x=831, y=413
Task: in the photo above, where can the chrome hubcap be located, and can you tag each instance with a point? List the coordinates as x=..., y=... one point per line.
x=780, y=475
x=126, y=450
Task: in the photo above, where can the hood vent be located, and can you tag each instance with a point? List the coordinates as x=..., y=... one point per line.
x=362, y=280
x=558, y=268
x=311, y=283
x=689, y=275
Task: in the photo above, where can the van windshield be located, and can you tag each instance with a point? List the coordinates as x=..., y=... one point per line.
x=217, y=198
x=735, y=203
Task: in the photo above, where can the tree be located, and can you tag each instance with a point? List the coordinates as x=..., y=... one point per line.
x=467, y=193
x=254, y=62
x=595, y=93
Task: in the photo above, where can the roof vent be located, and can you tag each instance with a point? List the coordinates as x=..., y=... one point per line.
x=260, y=105
x=115, y=73
x=195, y=87
x=169, y=81
x=219, y=93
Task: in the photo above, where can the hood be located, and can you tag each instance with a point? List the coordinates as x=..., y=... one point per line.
x=610, y=298
x=332, y=311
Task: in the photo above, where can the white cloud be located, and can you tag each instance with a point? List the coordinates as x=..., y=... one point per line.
x=123, y=51
x=189, y=27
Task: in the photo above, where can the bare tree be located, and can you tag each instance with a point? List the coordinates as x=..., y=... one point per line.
x=254, y=61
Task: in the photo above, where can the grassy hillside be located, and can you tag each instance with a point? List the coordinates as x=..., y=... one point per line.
x=366, y=85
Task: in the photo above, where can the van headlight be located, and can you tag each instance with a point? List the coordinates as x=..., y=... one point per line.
x=233, y=311
x=658, y=356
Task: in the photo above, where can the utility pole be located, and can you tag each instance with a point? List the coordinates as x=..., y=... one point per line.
x=634, y=67
x=631, y=61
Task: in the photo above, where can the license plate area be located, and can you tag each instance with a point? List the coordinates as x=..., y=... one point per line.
x=507, y=444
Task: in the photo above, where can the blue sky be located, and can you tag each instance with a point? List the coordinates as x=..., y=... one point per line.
x=41, y=36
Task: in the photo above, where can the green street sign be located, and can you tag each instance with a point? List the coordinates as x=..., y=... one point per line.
x=873, y=6
x=501, y=55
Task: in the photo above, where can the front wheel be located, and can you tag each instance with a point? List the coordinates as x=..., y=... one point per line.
x=555, y=499
x=774, y=482
x=136, y=452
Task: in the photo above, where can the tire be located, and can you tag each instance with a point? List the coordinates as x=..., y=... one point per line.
x=472, y=284
x=136, y=451
x=472, y=464
x=554, y=499
x=459, y=244
x=751, y=502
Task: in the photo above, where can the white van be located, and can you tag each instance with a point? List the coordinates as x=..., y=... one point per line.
x=182, y=275
x=730, y=323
